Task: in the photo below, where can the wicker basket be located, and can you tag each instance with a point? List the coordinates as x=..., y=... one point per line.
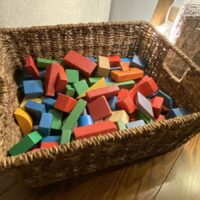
x=89, y=155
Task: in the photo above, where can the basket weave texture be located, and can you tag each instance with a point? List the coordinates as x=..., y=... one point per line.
x=89, y=155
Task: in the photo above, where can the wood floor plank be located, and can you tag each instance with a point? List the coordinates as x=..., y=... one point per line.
x=183, y=182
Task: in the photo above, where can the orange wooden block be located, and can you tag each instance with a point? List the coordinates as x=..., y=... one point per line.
x=132, y=74
x=31, y=67
x=65, y=103
x=48, y=144
x=50, y=79
x=126, y=104
x=95, y=129
x=61, y=79
x=157, y=103
x=122, y=94
x=107, y=91
x=114, y=60
x=125, y=66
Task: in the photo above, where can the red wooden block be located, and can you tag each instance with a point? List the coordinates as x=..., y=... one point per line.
x=61, y=79
x=107, y=91
x=127, y=104
x=31, y=67
x=99, y=108
x=114, y=60
x=75, y=59
x=48, y=144
x=146, y=87
x=125, y=66
x=157, y=103
x=95, y=129
x=50, y=79
x=122, y=94
x=160, y=118
x=65, y=103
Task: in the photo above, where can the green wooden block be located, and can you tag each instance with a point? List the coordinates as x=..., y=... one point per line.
x=93, y=80
x=121, y=125
x=81, y=86
x=44, y=62
x=72, y=75
x=73, y=116
x=57, y=119
x=142, y=116
x=65, y=136
x=26, y=143
x=70, y=91
x=126, y=84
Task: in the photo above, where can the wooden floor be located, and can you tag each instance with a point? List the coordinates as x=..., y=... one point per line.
x=173, y=176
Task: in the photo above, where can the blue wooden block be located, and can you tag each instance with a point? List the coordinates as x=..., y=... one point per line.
x=115, y=68
x=92, y=59
x=175, y=112
x=138, y=62
x=168, y=101
x=135, y=124
x=112, y=102
x=85, y=120
x=49, y=103
x=45, y=124
x=35, y=110
x=126, y=59
x=54, y=138
x=33, y=88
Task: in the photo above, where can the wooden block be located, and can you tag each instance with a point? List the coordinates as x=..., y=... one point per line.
x=85, y=120
x=51, y=75
x=24, y=120
x=121, y=125
x=44, y=62
x=81, y=87
x=160, y=118
x=57, y=120
x=33, y=88
x=122, y=94
x=143, y=117
x=79, y=62
x=73, y=116
x=70, y=91
x=93, y=80
x=125, y=59
x=62, y=80
x=72, y=75
x=92, y=59
x=48, y=144
x=54, y=138
x=26, y=143
x=22, y=104
x=45, y=124
x=126, y=104
x=99, y=108
x=117, y=116
x=157, y=103
x=65, y=103
x=132, y=74
x=94, y=129
x=138, y=62
x=126, y=84
x=31, y=67
x=168, y=101
x=65, y=136
x=35, y=110
x=103, y=68
x=114, y=60
x=49, y=103
x=144, y=105
x=107, y=91
x=112, y=102
x=125, y=66
x=99, y=84
x=135, y=124
x=176, y=112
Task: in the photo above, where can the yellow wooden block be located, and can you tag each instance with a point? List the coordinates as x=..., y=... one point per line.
x=99, y=84
x=22, y=104
x=119, y=115
x=24, y=120
x=103, y=68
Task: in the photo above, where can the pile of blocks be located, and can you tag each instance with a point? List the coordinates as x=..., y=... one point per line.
x=80, y=97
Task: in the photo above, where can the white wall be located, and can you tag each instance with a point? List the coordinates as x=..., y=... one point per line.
x=132, y=9
x=20, y=13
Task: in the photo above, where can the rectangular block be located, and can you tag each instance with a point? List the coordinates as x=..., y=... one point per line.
x=57, y=119
x=126, y=59
x=45, y=124
x=114, y=60
x=135, y=124
x=31, y=67
x=33, y=88
x=99, y=108
x=48, y=144
x=44, y=62
x=72, y=75
x=94, y=129
x=118, y=115
x=53, y=138
x=126, y=84
x=137, y=61
x=81, y=86
x=73, y=116
x=65, y=136
x=62, y=80
x=69, y=91
x=112, y=102
x=49, y=103
x=122, y=94
x=107, y=91
x=125, y=66
x=157, y=103
x=176, y=112
x=78, y=61
x=121, y=125
x=103, y=68
x=126, y=104
x=26, y=143
x=22, y=104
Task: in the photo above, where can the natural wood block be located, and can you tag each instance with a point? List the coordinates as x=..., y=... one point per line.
x=118, y=115
x=103, y=68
